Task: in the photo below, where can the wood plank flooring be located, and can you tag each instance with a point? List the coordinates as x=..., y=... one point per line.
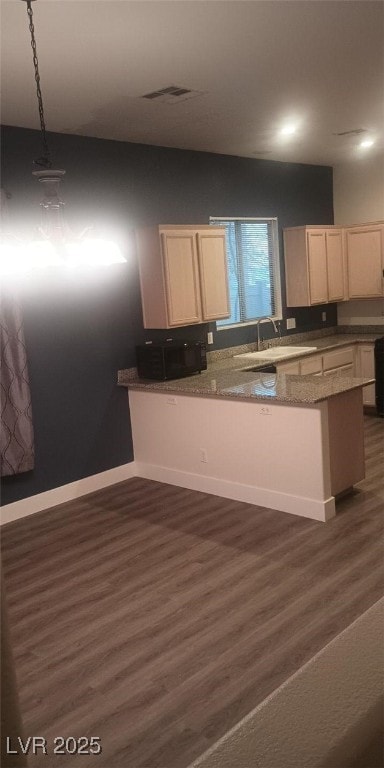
x=156, y=617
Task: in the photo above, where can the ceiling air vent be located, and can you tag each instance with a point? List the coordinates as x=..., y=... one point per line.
x=172, y=94
x=354, y=132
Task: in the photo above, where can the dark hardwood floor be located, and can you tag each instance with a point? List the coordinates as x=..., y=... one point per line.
x=156, y=617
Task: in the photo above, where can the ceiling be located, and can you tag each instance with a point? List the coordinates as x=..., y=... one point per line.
x=251, y=65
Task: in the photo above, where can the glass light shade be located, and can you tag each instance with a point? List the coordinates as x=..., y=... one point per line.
x=42, y=253
x=10, y=257
x=91, y=252
x=56, y=246
x=17, y=257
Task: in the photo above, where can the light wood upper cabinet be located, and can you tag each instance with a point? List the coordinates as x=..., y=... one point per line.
x=317, y=267
x=314, y=267
x=335, y=264
x=213, y=274
x=183, y=275
x=181, y=278
x=365, y=260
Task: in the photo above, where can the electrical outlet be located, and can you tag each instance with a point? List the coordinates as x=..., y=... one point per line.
x=265, y=410
x=210, y=337
x=203, y=455
x=291, y=323
x=323, y=316
x=171, y=400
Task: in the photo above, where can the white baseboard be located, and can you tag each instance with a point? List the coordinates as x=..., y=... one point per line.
x=295, y=505
x=42, y=501
x=264, y=497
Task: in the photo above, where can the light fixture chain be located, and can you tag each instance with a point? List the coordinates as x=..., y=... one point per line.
x=45, y=160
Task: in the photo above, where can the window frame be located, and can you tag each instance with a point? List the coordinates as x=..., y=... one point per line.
x=274, y=266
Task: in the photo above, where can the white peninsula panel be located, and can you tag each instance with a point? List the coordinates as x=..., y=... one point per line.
x=290, y=457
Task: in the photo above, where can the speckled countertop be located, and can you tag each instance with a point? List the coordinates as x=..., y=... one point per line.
x=224, y=377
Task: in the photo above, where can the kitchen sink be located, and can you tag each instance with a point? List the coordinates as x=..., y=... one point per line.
x=276, y=353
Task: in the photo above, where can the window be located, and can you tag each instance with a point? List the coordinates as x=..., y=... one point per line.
x=253, y=269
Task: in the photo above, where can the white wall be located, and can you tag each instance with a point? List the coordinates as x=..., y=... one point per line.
x=231, y=432
x=369, y=312
x=358, y=191
x=358, y=194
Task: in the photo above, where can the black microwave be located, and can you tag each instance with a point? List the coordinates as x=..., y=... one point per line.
x=170, y=359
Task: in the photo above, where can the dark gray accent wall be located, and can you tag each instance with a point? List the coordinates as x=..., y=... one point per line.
x=81, y=328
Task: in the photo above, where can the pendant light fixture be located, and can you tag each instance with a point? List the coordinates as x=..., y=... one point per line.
x=55, y=245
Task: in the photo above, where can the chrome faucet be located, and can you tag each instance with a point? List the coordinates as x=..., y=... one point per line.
x=265, y=320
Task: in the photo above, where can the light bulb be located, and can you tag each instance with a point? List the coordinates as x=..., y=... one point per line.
x=288, y=130
x=92, y=252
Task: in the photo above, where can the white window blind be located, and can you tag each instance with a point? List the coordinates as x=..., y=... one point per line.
x=253, y=269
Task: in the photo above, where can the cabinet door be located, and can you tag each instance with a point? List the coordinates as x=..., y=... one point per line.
x=338, y=358
x=369, y=395
x=364, y=258
x=317, y=263
x=312, y=365
x=293, y=367
x=343, y=370
x=181, y=272
x=296, y=267
x=367, y=371
x=335, y=267
x=213, y=275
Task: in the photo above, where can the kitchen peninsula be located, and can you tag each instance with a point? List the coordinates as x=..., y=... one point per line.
x=282, y=441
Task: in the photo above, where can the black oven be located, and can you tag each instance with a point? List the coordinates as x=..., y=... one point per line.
x=170, y=359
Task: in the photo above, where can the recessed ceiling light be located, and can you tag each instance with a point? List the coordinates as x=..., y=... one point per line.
x=366, y=143
x=288, y=129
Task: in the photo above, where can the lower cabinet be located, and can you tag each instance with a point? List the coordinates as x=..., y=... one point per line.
x=338, y=361
x=357, y=360
x=311, y=365
x=343, y=370
x=366, y=369
x=292, y=368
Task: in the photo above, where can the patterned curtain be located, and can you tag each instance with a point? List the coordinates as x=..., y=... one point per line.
x=16, y=434
x=16, y=441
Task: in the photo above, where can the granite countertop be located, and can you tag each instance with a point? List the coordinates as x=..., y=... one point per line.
x=321, y=344
x=224, y=377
